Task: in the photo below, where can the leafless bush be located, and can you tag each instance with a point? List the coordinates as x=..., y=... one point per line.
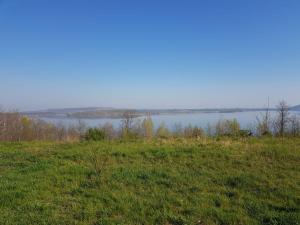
x=210, y=130
x=127, y=124
x=162, y=131
x=98, y=162
x=193, y=132
x=147, y=128
x=178, y=130
x=294, y=127
x=264, y=124
x=282, y=120
x=110, y=132
x=227, y=128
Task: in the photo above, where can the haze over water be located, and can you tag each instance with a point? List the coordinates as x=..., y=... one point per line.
x=247, y=120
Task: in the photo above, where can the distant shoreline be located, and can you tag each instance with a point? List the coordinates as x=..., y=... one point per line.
x=95, y=113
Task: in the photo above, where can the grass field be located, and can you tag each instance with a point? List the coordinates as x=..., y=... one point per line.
x=204, y=182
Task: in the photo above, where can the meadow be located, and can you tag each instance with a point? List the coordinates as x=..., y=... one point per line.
x=206, y=181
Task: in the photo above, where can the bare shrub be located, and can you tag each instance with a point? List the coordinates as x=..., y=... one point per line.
x=193, y=132
x=210, y=130
x=162, y=131
x=263, y=124
x=147, y=127
x=109, y=130
x=99, y=164
x=178, y=130
x=127, y=124
x=294, y=126
x=282, y=120
x=227, y=128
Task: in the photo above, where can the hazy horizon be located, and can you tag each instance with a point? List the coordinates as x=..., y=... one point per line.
x=139, y=108
x=154, y=55
x=12, y=107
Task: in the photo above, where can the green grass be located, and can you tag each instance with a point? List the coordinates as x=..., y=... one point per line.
x=252, y=181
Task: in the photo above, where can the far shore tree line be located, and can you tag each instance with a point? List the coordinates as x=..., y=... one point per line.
x=17, y=127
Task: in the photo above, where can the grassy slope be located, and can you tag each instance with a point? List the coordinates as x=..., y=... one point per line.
x=175, y=182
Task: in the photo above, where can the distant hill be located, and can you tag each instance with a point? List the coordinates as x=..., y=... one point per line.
x=295, y=108
x=69, y=110
x=65, y=112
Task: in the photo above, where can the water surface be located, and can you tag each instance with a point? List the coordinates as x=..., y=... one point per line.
x=247, y=120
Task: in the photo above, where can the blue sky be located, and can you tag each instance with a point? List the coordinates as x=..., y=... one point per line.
x=149, y=54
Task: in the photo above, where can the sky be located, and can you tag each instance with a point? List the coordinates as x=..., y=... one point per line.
x=149, y=54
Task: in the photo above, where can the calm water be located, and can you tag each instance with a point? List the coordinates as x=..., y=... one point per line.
x=246, y=119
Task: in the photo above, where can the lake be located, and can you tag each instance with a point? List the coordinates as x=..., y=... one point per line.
x=247, y=120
